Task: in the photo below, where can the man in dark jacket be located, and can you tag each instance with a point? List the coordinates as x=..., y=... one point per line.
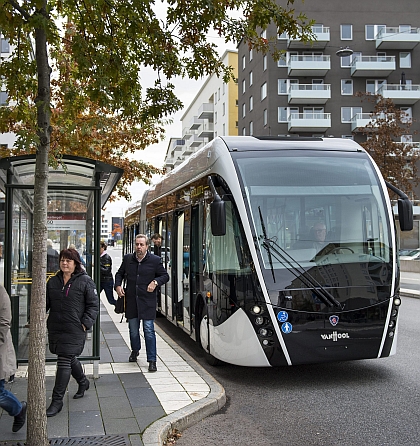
x=107, y=281
x=143, y=272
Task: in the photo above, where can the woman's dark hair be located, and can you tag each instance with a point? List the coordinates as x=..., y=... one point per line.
x=72, y=254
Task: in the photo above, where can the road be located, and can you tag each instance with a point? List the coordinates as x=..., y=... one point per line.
x=370, y=402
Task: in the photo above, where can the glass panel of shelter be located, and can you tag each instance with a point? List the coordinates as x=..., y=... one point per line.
x=69, y=224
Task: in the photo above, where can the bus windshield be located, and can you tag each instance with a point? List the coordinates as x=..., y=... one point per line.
x=315, y=209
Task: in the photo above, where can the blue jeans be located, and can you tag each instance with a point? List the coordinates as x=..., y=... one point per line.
x=8, y=401
x=109, y=291
x=149, y=336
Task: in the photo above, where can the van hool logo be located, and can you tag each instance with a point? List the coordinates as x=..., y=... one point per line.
x=335, y=336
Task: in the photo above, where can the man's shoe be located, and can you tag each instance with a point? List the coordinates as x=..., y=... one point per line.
x=133, y=356
x=20, y=418
x=152, y=366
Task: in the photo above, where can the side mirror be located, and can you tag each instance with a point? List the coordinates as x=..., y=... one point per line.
x=405, y=214
x=218, y=217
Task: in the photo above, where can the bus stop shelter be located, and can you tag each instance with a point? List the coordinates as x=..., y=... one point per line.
x=78, y=189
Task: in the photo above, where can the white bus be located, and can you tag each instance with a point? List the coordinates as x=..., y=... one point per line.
x=282, y=251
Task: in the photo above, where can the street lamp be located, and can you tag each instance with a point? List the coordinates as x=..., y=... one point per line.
x=344, y=52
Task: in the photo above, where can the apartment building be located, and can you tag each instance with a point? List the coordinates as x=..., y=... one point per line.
x=311, y=90
x=213, y=112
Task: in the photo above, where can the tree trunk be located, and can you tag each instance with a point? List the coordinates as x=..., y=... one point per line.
x=37, y=419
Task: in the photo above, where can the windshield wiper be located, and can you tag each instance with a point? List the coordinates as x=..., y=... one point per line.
x=302, y=274
x=270, y=261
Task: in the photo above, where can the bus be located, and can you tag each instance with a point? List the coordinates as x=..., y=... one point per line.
x=280, y=251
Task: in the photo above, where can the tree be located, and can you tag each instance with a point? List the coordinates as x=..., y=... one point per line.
x=396, y=160
x=109, y=41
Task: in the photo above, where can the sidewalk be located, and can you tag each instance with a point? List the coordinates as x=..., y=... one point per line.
x=126, y=405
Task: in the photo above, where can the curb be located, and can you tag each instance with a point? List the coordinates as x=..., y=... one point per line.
x=410, y=293
x=157, y=433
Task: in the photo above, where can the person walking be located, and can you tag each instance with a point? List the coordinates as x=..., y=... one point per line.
x=8, y=401
x=142, y=272
x=73, y=304
x=107, y=281
x=52, y=258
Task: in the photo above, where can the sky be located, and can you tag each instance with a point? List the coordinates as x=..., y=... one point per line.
x=185, y=89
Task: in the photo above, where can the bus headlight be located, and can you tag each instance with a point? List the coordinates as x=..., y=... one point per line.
x=391, y=324
x=391, y=334
x=264, y=332
x=394, y=312
x=397, y=301
x=256, y=309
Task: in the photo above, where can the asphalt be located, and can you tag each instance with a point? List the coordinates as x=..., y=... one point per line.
x=126, y=404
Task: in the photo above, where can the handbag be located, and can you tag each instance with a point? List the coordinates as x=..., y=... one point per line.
x=120, y=305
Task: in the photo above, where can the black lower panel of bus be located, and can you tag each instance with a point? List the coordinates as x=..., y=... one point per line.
x=317, y=337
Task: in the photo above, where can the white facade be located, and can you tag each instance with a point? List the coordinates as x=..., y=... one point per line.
x=213, y=112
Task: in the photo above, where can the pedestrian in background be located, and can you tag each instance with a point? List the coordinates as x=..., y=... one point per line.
x=157, y=244
x=52, y=258
x=143, y=272
x=107, y=280
x=73, y=304
x=8, y=401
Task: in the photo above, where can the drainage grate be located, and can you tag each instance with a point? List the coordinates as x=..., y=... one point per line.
x=105, y=440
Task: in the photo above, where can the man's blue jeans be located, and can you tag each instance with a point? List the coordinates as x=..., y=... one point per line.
x=8, y=401
x=109, y=291
x=149, y=337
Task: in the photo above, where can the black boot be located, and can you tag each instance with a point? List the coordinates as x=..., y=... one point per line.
x=62, y=379
x=20, y=418
x=80, y=377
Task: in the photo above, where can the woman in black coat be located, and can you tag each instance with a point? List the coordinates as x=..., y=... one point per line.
x=73, y=304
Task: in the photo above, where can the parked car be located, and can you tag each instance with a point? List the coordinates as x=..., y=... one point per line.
x=414, y=254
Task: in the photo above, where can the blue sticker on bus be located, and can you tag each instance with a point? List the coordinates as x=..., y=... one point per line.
x=286, y=328
x=282, y=316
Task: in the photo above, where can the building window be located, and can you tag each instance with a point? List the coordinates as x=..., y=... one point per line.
x=282, y=36
x=371, y=31
x=5, y=47
x=347, y=136
x=250, y=78
x=373, y=85
x=346, y=32
x=224, y=88
x=406, y=138
x=243, y=86
x=223, y=109
x=215, y=97
x=265, y=117
x=236, y=124
x=405, y=60
x=285, y=112
x=251, y=103
x=263, y=91
x=346, y=86
x=215, y=117
x=243, y=110
x=347, y=113
x=345, y=62
x=264, y=34
x=407, y=114
x=264, y=63
x=4, y=97
x=224, y=129
x=236, y=102
x=243, y=62
x=251, y=128
x=250, y=55
x=243, y=131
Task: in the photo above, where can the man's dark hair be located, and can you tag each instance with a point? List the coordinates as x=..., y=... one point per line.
x=156, y=235
x=103, y=245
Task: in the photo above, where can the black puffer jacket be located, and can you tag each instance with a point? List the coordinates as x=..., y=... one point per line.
x=70, y=306
x=106, y=268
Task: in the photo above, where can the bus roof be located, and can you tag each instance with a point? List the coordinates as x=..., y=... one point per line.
x=252, y=143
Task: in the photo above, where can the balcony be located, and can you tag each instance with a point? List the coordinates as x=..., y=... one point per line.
x=400, y=94
x=309, y=93
x=309, y=122
x=372, y=66
x=195, y=123
x=308, y=65
x=322, y=38
x=360, y=120
x=206, y=111
x=187, y=132
x=196, y=141
x=394, y=38
x=206, y=130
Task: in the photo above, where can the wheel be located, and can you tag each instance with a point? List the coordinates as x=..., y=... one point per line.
x=203, y=336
